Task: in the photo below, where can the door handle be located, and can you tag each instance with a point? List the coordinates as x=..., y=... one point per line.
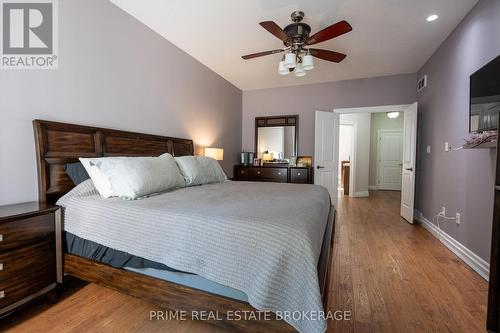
x=409, y=169
x=320, y=167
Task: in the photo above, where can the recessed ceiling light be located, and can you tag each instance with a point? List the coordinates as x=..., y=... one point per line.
x=431, y=18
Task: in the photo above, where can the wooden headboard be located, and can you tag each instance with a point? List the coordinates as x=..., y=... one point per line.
x=60, y=143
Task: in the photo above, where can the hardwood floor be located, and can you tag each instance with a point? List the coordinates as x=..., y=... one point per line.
x=393, y=276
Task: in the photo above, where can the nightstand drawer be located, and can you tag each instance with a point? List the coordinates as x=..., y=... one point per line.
x=300, y=176
x=28, y=260
x=279, y=175
x=26, y=231
x=31, y=270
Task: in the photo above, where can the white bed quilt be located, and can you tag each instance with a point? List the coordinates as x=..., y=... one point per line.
x=261, y=238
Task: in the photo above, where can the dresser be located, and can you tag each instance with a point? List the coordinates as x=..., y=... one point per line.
x=279, y=174
x=30, y=253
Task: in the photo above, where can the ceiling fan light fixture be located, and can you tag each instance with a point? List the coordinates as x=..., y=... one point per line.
x=282, y=69
x=299, y=70
x=290, y=60
x=307, y=62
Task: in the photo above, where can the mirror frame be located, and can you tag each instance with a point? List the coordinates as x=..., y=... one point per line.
x=277, y=121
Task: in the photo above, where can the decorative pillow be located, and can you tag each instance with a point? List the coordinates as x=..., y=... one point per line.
x=135, y=177
x=198, y=170
x=76, y=172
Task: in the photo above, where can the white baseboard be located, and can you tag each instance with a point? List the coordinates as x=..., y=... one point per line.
x=467, y=256
x=372, y=187
x=361, y=194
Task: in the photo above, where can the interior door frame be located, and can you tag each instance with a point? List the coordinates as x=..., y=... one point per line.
x=369, y=109
x=379, y=141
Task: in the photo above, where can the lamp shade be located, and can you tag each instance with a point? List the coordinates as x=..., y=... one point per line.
x=290, y=60
x=308, y=62
x=215, y=153
x=299, y=70
x=282, y=69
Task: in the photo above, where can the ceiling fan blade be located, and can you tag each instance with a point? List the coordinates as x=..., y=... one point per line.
x=260, y=54
x=274, y=29
x=328, y=55
x=332, y=31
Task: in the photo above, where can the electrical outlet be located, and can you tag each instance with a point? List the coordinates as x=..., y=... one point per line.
x=457, y=218
x=446, y=146
x=428, y=149
x=443, y=211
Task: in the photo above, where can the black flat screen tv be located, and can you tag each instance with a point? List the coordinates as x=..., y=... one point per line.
x=485, y=97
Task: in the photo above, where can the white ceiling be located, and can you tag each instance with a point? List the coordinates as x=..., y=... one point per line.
x=389, y=36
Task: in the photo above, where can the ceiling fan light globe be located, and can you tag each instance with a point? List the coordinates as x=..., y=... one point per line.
x=308, y=62
x=299, y=70
x=290, y=60
x=282, y=69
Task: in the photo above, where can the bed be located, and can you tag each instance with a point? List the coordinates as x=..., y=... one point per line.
x=233, y=209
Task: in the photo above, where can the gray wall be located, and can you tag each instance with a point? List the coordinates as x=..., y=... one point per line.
x=113, y=72
x=380, y=121
x=462, y=180
x=304, y=100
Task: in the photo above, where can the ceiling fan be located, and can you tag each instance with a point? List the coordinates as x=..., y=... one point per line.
x=298, y=57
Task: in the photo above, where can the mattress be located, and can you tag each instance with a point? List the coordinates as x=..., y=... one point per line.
x=120, y=259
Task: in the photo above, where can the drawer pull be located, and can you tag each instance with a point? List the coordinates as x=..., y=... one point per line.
x=298, y=173
x=279, y=173
x=1, y=266
x=242, y=172
x=2, y=294
x=1, y=238
x=258, y=172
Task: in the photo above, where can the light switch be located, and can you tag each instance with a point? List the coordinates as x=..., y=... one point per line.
x=446, y=146
x=428, y=149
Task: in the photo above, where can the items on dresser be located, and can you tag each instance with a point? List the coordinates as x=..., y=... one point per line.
x=280, y=174
x=304, y=161
x=30, y=253
x=246, y=158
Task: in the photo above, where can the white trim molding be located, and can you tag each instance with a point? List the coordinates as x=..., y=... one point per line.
x=372, y=187
x=361, y=194
x=468, y=257
x=369, y=109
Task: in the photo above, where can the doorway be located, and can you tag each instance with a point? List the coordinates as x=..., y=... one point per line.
x=327, y=138
x=346, y=158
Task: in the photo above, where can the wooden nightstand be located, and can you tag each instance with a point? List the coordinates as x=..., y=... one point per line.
x=30, y=253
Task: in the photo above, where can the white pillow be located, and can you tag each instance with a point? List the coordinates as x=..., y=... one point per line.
x=100, y=180
x=198, y=170
x=135, y=177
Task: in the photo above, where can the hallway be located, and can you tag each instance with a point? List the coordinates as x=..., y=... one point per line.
x=396, y=277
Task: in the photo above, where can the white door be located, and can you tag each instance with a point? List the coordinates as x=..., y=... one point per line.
x=409, y=159
x=390, y=159
x=326, y=151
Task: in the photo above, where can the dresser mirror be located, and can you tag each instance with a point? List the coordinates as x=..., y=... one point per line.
x=276, y=138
